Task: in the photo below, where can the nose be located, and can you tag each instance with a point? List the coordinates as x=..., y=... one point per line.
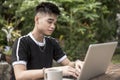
x=52, y=26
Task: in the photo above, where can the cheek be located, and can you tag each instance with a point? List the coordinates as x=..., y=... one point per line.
x=42, y=23
x=42, y=26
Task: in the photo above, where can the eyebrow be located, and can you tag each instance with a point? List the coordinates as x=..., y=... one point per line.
x=51, y=19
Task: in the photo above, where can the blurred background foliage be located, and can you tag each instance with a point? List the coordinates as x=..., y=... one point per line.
x=82, y=22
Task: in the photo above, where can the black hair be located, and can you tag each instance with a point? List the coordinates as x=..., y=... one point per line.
x=48, y=7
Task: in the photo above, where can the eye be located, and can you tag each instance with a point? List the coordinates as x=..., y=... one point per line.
x=50, y=22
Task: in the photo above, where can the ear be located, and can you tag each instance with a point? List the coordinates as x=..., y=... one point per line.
x=36, y=19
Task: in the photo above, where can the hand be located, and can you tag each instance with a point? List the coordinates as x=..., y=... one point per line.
x=69, y=71
x=79, y=65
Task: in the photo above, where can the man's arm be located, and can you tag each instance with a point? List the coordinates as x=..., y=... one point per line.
x=67, y=62
x=22, y=74
x=76, y=64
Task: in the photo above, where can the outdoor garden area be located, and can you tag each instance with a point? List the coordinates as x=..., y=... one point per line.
x=81, y=23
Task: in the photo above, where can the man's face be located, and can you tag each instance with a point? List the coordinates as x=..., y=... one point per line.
x=45, y=23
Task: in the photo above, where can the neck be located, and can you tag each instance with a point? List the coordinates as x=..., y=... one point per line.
x=38, y=36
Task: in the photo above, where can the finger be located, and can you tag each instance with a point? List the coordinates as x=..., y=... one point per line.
x=75, y=72
x=78, y=67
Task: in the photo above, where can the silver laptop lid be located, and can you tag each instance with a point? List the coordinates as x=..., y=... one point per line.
x=97, y=59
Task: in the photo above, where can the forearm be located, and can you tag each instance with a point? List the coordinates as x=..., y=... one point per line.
x=72, y=64
x=29, y=75
x=67, y=62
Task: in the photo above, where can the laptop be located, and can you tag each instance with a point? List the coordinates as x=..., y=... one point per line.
x=97, y=60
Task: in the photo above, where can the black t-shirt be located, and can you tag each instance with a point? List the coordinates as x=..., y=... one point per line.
x=27, y=52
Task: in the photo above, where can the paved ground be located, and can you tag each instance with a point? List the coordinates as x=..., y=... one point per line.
x=113, y=73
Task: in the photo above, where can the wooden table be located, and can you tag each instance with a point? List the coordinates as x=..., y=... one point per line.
x=112, y=73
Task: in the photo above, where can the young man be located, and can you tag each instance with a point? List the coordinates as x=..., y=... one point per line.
x=34, y=53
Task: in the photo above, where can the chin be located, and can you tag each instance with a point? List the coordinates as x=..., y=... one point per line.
x=47, y=34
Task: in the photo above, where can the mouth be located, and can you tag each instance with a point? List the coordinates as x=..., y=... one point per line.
x=51, y=30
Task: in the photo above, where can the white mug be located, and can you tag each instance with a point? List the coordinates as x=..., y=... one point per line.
x=67, y=79
x=53, y=74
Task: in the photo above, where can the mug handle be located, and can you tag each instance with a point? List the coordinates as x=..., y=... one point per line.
x=45, y=76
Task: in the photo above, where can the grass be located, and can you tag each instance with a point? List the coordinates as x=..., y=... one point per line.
x=116, y=58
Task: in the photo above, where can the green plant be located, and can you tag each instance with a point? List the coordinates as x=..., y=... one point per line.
x=7, y=50
x=10, y=35
x=8, y=25
x=81, y=22
x=116, y=58
x=76, y=25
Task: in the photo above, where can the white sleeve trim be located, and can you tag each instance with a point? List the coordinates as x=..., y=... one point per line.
x=19, y=62
x=61, y=59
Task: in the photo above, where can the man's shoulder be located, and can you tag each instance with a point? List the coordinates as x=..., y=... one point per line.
x=24, y=38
